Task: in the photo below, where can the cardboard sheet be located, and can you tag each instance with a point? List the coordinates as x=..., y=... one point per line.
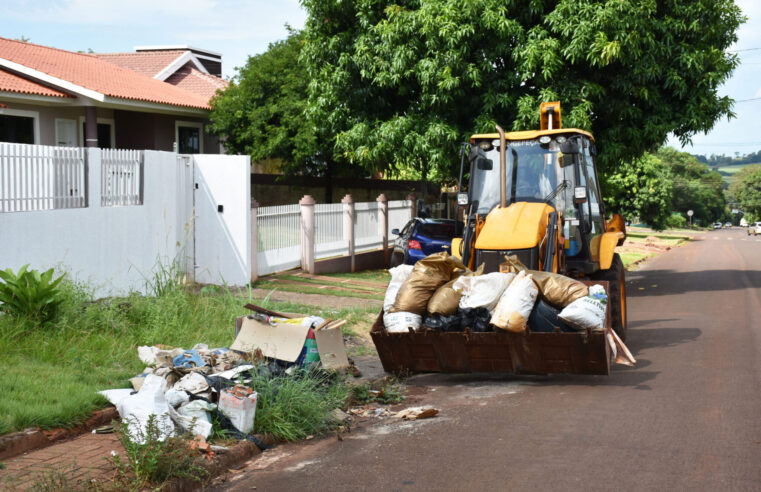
x=330, y=345
x=282, y=342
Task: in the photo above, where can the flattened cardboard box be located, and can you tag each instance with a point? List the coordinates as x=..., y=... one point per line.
x=283, y=342
x=330, y=345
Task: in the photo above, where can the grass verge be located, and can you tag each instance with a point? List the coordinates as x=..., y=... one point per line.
x=308, y=289
x=52, y=373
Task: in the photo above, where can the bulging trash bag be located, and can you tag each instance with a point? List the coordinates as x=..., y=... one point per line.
x=477, y=319
x=428, y=274
x=515, y=305
x=446, y=300
x=401, y=322
x=544, y=319
x=136, y=409
x=587, y=312
x=482, y=290
x=440, y=322
x=399, y=275
x=557, y=289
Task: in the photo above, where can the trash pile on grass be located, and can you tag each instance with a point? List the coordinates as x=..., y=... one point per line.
x=201, y=390
x=439, y=293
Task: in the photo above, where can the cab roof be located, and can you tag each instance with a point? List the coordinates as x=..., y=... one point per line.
x=530, y=134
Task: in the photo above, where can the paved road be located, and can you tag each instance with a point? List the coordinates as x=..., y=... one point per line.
x=688, y=417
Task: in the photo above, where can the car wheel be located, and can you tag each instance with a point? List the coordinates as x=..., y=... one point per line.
x=616, y=277
x=396, y=259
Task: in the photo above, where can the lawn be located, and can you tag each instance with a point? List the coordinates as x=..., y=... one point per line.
x=53, y=372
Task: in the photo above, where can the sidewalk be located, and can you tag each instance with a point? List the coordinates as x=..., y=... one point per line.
x=82, y=458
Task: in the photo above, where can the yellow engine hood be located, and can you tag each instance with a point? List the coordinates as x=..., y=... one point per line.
x=521, y=225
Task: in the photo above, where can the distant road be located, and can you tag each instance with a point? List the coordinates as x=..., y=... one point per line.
x=688, y=417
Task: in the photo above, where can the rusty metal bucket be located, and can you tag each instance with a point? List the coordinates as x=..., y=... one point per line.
x=520, y=353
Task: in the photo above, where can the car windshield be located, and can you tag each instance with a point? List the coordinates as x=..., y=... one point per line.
x=538, y=174
x=437, y=230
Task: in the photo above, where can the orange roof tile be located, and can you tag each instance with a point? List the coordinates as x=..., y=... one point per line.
x=92, y=73
x=191, y=79
x=13, y=83
x=146, y=62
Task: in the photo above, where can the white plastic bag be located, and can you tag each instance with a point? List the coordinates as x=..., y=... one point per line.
x=147, y=354
x=116, y=395
x=401, y=322
x=515, y=304
x=398, y=275
x=196, y=409
x=175, y=397
x=587, y=312
x=136, y=409
x=482, y=290
x=192, y=382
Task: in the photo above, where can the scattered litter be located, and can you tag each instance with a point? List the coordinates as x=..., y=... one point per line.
x=188, y=359
x=416, y=413
x=136, y=409
x=193, y=383
x=199, y=443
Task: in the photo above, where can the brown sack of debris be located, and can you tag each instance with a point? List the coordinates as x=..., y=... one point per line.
x=429, y=274
x=446, y=300
x=556, y=289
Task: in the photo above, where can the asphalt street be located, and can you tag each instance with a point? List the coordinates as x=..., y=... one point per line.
x=687, y=417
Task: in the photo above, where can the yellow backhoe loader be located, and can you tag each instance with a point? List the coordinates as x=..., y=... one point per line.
x=536, y=195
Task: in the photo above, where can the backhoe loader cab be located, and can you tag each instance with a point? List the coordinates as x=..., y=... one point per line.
x=536, y=194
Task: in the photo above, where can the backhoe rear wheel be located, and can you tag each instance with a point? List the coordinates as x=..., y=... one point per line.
x=616, y=277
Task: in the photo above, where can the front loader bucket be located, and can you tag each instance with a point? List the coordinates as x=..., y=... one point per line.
x=584, y=352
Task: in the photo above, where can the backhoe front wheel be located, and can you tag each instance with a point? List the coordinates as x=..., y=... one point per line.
x=616, y=278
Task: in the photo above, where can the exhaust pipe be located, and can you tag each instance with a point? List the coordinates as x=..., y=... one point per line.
x=502, y=168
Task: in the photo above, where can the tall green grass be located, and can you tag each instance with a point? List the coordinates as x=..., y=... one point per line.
x=51, y=374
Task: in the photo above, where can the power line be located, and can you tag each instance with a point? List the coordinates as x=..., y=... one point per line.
x=748, y=100
x=746, y=49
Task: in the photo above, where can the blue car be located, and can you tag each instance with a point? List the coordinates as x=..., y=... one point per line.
x=422, y=237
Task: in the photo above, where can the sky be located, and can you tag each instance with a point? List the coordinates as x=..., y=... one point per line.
x=239, y=28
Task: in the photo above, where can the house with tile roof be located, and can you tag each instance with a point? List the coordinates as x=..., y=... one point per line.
x=156, y=97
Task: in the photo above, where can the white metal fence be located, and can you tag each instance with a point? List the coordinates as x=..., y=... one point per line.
x=330, y=237
x=122, y=176
x=37, y=177
x=279, y=238
x=368, y=226
x=280, y=231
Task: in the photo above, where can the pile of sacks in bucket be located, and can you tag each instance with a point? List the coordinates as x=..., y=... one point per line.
x=175, y=388
x=439, y=293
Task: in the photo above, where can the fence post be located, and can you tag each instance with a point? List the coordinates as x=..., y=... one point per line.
x=383, y=202
x=254, y=240
x=307, y=233
x=348, y=202
x=413, y=205
x=94, y=168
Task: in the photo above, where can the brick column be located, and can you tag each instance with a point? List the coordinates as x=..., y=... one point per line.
x=307, y=233
x=348, y=202
x=413, y=205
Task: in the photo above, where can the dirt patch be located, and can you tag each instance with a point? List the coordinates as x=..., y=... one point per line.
x=319, y=300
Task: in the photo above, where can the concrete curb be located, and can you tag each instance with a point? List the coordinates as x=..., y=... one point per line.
x=12, y=445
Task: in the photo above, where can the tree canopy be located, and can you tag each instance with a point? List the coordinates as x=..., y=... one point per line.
x=746, y=188
x=658, y=184
x=397, y=85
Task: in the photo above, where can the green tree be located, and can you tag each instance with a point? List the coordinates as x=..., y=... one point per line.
x=640, y=188
x=746, y=188
x=399, y=84
x=695, y=186
x=262, y=114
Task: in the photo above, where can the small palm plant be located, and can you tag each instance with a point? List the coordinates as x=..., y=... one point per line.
x=30, y=293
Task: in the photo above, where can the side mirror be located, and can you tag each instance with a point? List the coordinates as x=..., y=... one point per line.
x=462, y=199
x=579, y=194
x=484, y=164
x=570, y=147
x=395, y=232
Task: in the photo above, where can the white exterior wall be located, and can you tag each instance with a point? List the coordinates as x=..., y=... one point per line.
x=117, y=249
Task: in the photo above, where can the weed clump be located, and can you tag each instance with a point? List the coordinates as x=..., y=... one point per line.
x=152, y=461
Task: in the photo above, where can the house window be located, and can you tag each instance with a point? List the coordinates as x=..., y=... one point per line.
x=189, y=137
x=18, y=126
x=104, y=135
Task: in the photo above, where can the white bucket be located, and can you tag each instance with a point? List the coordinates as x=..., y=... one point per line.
x=240, y=410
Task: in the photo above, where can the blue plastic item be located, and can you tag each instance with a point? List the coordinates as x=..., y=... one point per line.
x=188, y=359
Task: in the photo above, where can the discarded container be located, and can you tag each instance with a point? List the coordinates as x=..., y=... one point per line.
x=239, y=405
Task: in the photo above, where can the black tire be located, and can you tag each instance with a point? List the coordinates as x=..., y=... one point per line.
x=616, y=277
x=396, y=259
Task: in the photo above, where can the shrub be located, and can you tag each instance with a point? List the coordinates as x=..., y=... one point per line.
x=676, y=221
x=30, y=293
